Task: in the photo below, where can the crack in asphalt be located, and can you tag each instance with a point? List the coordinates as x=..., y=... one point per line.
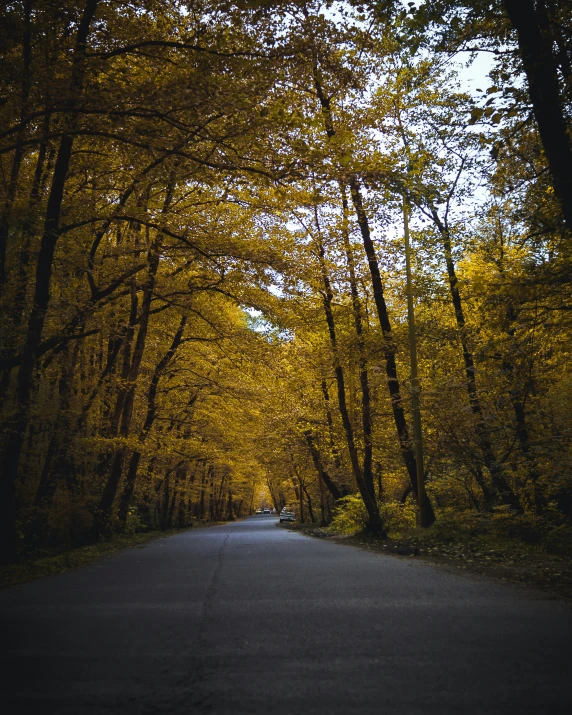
x=196, y=695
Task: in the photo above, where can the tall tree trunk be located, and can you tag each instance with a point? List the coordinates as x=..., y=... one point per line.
x=518, y=394
x=375, y=524
x=50, y=477
x=389, y=349
x=21, y=280
x=379, y=299
x=319, y=471
x=26, y=79
x=344, y=490
x=299, y=491
x=165, y=502
x=8, y=507
x=309, y=502
x=190, y=495
x=423, y=519
x=180, y=476
x=63, y=467
x=330, y=421
x=112, y=484
x=327, y=300
x=541, y=68
x=501, y=490
x=131, y=478
x=317, y=459
x=363, y=369
x=212, y=501
x=21, y=288
x=219, y=502
x=201, y=504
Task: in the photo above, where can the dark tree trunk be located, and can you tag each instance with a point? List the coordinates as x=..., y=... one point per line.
x=518, y=394
x=501, y=490
x=309, y=502
x=300, y=495
x=374, y=518
x=363, y=371
x=5, y=216
x=375, y=523
x=379, y=299
x=52, y=474
x=183, y=511
x=201, y=504
x=191, y=505
x=212, y=501
x=131, y=478
x=540, y=66
x=388, y=348
x=63, y=467
x=21, y=288
x=126, y=409
x=320, y=472
x=219, y=498
x=330, y=421
x=180, y=476
x=165, y=502
x=9, y=537
x=327, y=300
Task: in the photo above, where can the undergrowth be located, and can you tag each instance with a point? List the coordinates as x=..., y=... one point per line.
x=499, y=526
x=49, y=564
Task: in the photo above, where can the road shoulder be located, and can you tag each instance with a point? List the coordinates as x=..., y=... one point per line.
x=507, y=562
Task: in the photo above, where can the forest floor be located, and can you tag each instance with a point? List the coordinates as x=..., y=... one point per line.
x=64, y=560
x=511, y=560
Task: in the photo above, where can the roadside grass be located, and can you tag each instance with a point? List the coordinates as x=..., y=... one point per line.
x=60, y=561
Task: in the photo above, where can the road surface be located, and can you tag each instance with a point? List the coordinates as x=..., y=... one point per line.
x=250, y=618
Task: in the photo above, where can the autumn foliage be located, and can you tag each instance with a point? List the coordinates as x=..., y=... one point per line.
x=202, y=266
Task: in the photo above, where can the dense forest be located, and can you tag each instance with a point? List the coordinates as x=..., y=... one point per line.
x=283, y=248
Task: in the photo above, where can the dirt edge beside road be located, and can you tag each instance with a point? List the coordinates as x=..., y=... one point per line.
x=509, y=562
x=52, y=564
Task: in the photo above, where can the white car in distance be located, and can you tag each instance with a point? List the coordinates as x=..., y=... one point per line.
x=287, y=514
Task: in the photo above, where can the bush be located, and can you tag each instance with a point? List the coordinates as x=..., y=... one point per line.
x=501, y=524
x=134, y=523
x=505, y=524
x=453, y=525
x=399, y=519
x=349, y=515
x=559, y=541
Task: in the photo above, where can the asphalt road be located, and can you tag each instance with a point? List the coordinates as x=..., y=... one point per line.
x=251, y=618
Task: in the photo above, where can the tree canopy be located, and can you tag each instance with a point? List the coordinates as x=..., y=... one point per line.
x=202, y=262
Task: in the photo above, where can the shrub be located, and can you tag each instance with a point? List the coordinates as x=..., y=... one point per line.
x=398, y=518
x=349, y=515
x=453, y=525
x=134, y=523
x=559, y=541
